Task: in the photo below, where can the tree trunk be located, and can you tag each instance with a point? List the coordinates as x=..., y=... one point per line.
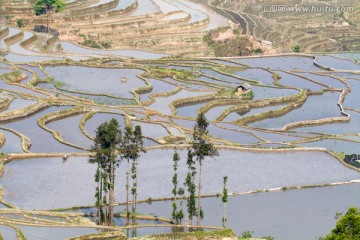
x=136, y=187
x=127, y=192
x=199, y=194
x=224, y=219
x=111, y=193
x=100, y=196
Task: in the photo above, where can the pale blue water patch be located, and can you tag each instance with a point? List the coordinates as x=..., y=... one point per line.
x=12, y=32
x=212, y=73
x=316, y=107
x=157, y=87
x=335, y=145
x=209, y=80
x=344, y=74
x=13, y=57
x=69, y=128
x=269, y=136
x=162, y=103
x=352, y=98
x=123, y=4
x=12, y=143
x=153, y=131
x=215, y=112
x=336, y=63
x=97, y=80
x=5, y=70
x=54, y=233
x=190, y=110
x=224, y=62
x=351, y=56
x=290, y=80
x=17, y=104
x=174, y=131
x=189, y=124
x=17, y=48
x=7, y=232
x=281, y=214
x=165, y=6
x=5, y=65
x=41, y=140
x=59, y=183
x=280, y=63
x=336, y=128
x=332, y=82
x=273, y=145
x=175, y=16
x=101, y=2
x=28, y=74
x=35, y=69
x=256, y=74
x=145, y=7
x=233, y=116
x=20, y=89
x=92, y=124
x=261, y=92
x=196, y=15
x=73, y=48
x=233, y=136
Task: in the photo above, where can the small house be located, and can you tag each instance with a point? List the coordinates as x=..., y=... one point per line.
x=243, y=88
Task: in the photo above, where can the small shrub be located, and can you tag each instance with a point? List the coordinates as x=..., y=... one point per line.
x=20, y=22
x=297, y=49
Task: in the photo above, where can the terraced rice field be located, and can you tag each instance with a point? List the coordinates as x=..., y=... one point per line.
x=298, y=117
x=288, y=132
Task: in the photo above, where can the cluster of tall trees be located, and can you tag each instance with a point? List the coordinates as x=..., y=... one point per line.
x=111, y=147
x=201, y=148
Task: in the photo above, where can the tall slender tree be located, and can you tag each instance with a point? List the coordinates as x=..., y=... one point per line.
x=180, y=214
x=137, y=150
x=42, y=7
x=191, y=187
x=201, y=148
x=174, y=214
x=125, y=149
x=224, y=200
x=107, y=138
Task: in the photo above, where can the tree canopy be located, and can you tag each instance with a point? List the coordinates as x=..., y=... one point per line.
x=348, y=227
x=43, y=6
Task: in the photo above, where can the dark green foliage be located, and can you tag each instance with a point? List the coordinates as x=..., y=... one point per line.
x=224, y=199
x=108, y=136
x=201, y=148
x=44, y=6
x=190, y=186
x=246, y=234
x=174, y=191
x=348, y=227
x=297, y=49
x=20, y=22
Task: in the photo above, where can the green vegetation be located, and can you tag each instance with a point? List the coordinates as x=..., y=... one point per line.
x=46, y=7
x=224, y=199
x=348, y=226
x=297, y=49
x=20, y=22
x=228, y=48
x=14, y=76
x=158, y=72
x=201, y=148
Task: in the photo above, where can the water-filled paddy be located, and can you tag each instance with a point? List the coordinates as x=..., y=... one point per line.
x=283, y=214
x=41, y=140
x=59, y=182
x=282, y=63
x=12, y=143
x=70, y=131
x=97, y=80
x=316, y=107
